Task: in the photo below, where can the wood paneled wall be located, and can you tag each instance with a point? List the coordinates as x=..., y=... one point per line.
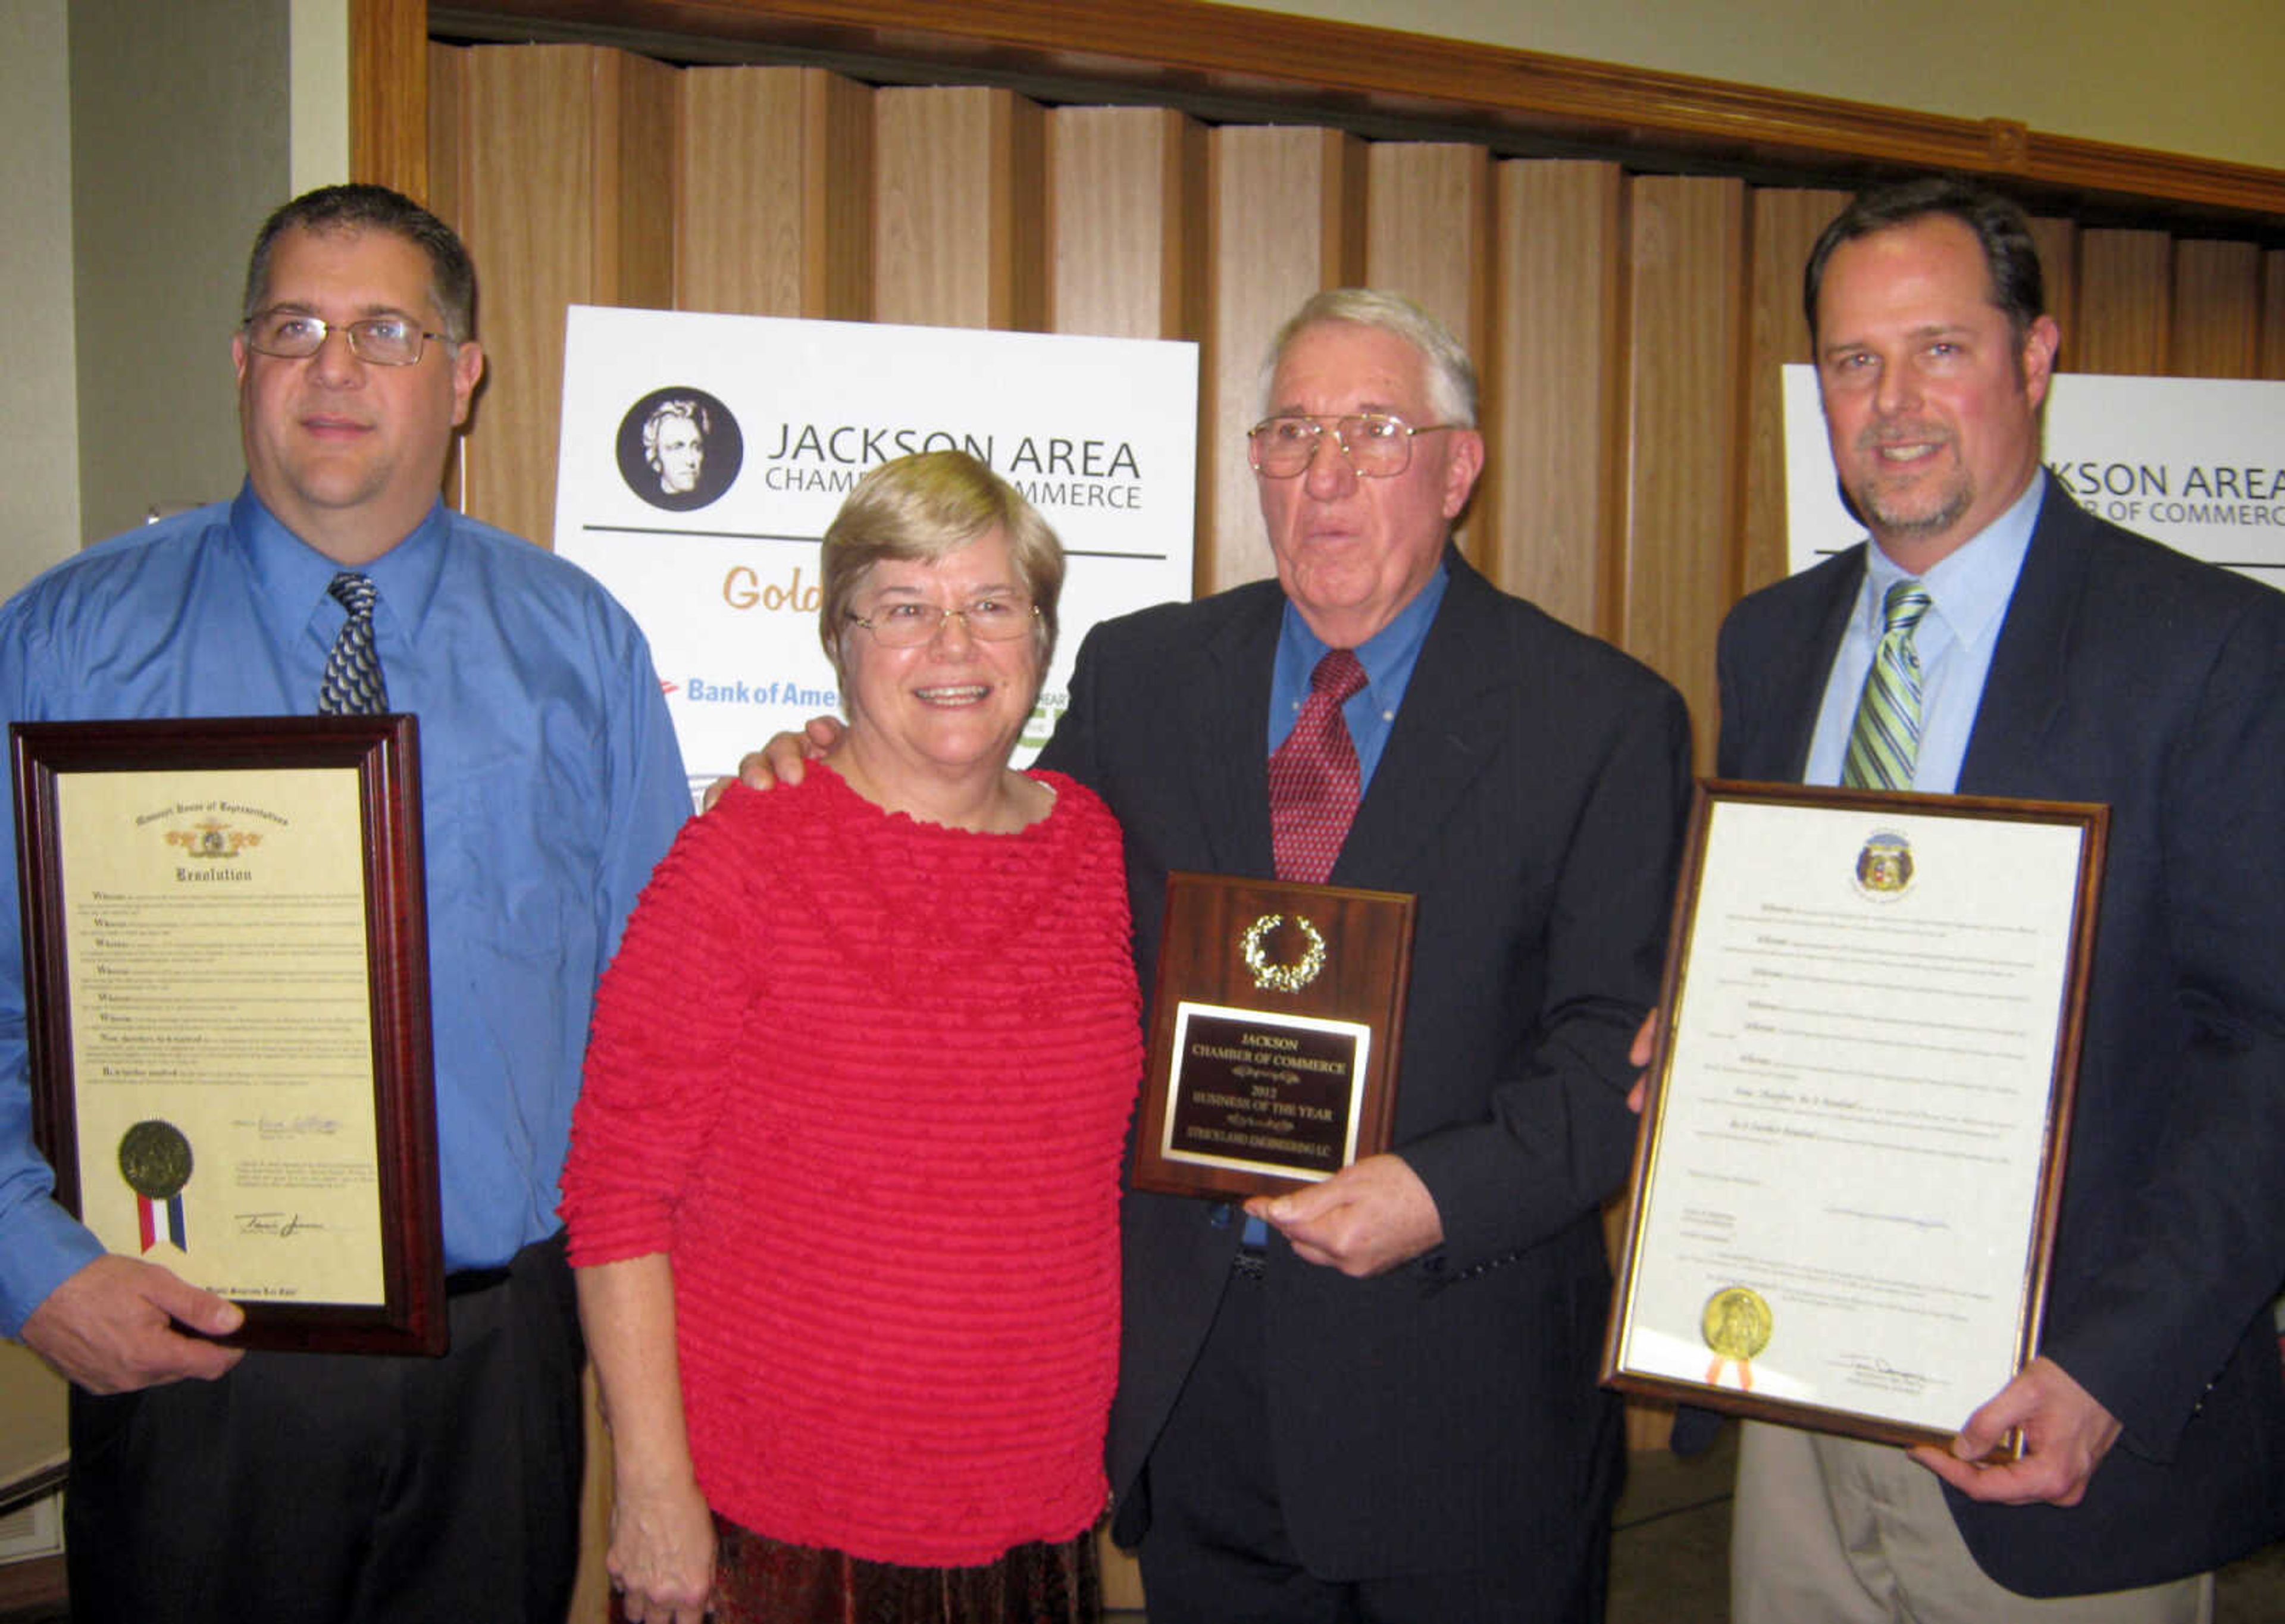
x=556, y=160
x=2125, y=284
x=1686, y=369
x=1627, y=327
x=773, y=186
x=2272, y=347
x=1284, y=217
x=1551, y=510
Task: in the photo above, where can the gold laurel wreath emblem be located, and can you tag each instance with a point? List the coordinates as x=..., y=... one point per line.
x=1283, y=977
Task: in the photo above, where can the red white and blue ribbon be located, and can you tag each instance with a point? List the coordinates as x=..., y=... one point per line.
x=147, y=1216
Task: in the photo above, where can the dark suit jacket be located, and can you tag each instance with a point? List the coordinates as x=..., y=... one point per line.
x=1531, y=796
x=2127, y=674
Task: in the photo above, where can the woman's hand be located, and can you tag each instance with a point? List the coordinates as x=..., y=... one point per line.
x=662, y=1555
x=661, y=1558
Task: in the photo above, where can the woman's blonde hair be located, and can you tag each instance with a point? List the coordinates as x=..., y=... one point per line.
x=928, y=507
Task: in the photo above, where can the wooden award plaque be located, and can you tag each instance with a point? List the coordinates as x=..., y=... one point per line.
x=1274, y=1030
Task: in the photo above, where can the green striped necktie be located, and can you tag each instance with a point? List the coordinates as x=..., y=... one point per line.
x=1884, y=745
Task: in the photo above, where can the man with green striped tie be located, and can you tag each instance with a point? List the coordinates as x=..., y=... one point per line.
x=1993, y=639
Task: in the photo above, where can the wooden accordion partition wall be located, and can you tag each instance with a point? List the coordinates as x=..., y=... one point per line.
x=1628, y=323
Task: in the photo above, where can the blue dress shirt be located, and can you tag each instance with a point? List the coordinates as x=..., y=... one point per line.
x=1388, y=656
x=550, y=781
x=1969, y=592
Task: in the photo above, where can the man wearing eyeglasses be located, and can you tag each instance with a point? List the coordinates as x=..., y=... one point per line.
x=208, y=1484
x=1376, y=1397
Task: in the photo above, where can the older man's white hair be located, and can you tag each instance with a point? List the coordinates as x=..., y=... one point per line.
x=1451, y=375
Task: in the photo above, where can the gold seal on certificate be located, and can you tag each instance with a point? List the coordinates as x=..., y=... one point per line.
x=1736, y=1325
x=1274, y=1030
x=155, y=1158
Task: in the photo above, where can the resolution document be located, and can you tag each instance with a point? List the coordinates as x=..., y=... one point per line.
x=220, y=1037
x=1841, y=1202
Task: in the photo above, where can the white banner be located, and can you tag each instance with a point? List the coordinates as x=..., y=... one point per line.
x=2197, y=463
x=703, y=456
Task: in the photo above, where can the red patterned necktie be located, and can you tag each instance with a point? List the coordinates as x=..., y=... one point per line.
x=1313, y=776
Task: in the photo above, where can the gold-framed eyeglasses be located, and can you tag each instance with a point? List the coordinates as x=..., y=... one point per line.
x=295, y=335
x=1378, y=444
x=910, y=623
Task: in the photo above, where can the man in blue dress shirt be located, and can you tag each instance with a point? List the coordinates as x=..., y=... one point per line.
x=207, y=1483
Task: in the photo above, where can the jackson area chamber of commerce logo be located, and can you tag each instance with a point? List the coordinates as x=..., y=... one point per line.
x=679, y=448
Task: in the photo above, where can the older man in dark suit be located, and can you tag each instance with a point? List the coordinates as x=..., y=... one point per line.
x=1375, y=1397
x=2059, y=657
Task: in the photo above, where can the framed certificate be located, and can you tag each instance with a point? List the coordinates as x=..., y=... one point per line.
x=226, y=978
x=1274, y=1030
x=1849, y=1163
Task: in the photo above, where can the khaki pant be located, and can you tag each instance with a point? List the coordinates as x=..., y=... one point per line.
x=1832, y=1531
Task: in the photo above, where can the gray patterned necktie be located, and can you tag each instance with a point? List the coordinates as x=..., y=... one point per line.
x=352, y=685
x=1884, y=745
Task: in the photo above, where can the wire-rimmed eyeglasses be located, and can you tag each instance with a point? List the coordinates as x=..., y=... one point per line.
x=909, y=625
x=295, y=335
x=1378, y=444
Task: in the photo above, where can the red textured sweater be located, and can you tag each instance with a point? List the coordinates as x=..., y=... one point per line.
x=866, y=1081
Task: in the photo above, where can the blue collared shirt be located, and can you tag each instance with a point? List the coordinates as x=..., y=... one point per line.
x=1388, y=656
x=1969, y=592
x=550, y=780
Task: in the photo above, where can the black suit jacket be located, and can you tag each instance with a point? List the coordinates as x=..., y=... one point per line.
x=2127, y=674
x=1531, y=795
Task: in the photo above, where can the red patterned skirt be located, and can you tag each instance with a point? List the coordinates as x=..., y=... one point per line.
x=759, y=1580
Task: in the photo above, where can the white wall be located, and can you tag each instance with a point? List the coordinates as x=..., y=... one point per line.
x=320, y=47
x=39, y=471
x=39, y=394
x=179, y=146
x=2189, y=76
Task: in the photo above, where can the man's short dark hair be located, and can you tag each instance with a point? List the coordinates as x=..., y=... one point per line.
x=1999, y=225
x=452, y=273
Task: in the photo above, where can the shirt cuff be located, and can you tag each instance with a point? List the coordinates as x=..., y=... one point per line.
x=43, y=1247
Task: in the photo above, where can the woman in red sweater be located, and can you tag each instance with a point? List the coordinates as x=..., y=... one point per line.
x=842, y=1192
